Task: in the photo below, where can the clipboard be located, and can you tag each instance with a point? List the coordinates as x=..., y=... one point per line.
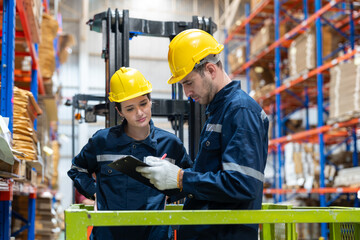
x=128, y=164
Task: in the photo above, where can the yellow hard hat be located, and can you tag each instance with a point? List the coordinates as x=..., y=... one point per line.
x=128, y=83
x=187, y=49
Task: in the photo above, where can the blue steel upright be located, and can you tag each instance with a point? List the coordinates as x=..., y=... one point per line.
x=247, y=55
x=5, y=212
x=277, y=96
x=34, y=88
x=352, y=25
x=320, y=109
x=7, y=60
x=355, y=152
x=31, y=215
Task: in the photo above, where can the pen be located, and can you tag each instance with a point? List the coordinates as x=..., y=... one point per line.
x=164, y=156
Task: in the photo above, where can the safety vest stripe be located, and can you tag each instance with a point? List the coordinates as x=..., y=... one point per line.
x=108, y=157
x=79, y=169
x=244, y=170
x=214, y=128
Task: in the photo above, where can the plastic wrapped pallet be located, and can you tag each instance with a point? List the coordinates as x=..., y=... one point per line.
x=344, y=92
x=348, y=177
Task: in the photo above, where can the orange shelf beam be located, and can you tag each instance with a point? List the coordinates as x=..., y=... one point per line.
x=309, y=133
x=247, y=20
x=287, y=36
x=33, y=54
x=310, y=74
x=314, y=190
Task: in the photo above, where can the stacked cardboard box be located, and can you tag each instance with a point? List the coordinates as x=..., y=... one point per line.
x=55, y=163
x=45, y=221
x=255, y=4
x=261, y=76
x=348, y=177
x=302, y=54
x=302, y=166
x=20, y=206
x=262, y=38
x=237, y=57
x=344, y=92
x=24, y=136
x=302, y=51
x=49, y=28
x=33, y=12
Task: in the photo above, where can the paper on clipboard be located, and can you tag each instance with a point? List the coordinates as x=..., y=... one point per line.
x=128, y=164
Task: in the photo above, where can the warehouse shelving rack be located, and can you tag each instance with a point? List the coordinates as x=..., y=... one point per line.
x=305, y=91
x=9, y=36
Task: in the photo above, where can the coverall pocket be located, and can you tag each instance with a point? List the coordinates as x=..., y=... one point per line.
x=212, y=142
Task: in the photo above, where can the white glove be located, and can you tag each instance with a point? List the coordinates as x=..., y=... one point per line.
x=163, y=174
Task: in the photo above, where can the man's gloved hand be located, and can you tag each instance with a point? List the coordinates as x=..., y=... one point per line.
x=162, y=174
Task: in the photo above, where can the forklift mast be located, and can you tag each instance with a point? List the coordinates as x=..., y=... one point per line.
x=117, y=28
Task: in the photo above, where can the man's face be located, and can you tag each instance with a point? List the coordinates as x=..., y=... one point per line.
x=137, y=111
x=199, y=88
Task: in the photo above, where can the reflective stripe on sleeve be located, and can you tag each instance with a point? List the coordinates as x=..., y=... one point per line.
x=214, y=128
x=244, y=170
x=108, y=157
x=263, y=115
x=79, y=169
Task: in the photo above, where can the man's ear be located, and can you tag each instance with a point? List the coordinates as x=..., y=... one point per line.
x=211, y=68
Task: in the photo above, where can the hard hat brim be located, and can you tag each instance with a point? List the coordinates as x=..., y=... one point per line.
x=173, y=80
x=131, y=96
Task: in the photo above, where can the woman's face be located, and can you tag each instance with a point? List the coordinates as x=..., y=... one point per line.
x=137, y=111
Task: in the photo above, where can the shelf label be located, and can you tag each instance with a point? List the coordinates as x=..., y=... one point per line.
x=334, y=61
x=288, y=137
x=339, y=190
x=305, y=76
x=357, y=58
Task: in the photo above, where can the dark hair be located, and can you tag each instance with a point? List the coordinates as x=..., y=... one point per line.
x=201, y=68
x=118, y=105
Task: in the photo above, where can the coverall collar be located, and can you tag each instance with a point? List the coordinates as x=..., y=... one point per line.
x=125, y=139
x=225, y=92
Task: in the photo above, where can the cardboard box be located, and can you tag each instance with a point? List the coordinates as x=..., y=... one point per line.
x=255, y=4
x=302, y=51
x=344, y=92
x=260, y=77
x=263, y=38
x=237, y=57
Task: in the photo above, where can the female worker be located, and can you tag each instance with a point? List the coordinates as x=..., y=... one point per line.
x=136, y=136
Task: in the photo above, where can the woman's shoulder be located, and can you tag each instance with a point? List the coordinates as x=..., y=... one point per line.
x=162, y=133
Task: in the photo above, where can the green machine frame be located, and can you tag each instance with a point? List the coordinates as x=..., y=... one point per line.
x=344, y=223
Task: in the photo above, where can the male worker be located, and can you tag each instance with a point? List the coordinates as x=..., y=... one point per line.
x=229, y=167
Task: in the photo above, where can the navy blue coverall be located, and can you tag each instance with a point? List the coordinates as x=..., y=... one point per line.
x=228, y=171
x=115, y=190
